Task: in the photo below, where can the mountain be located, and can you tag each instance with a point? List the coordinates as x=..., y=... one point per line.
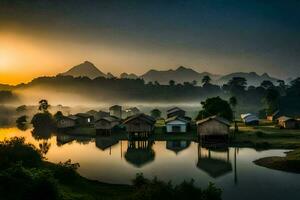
x=180, y=75
x=129, y=76
x=252, y=78
x=87, y=69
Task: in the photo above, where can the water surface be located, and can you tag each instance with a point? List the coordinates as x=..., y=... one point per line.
x=109, y=160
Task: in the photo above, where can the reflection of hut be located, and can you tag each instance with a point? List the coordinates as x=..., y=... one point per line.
x=287, y=122
x=177, y=146
x=213, y=127
x=176, y=125
x=62, y=139
x=215, y=163
x=106, y=124
x=140, y=124
x=139, y=153
x=103, y=142
x=175, y=112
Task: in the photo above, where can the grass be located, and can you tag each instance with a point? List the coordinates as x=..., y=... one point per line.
x=266, y=136
x=289, y=163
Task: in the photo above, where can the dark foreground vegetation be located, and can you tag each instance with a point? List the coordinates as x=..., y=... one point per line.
x=26, y=175
x=289, y=163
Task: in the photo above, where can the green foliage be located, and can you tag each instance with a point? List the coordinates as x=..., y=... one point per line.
x=18, y=182
x=16, y=150
x=206, y=80
x=22, y=119
x=40, y=120
x=155, y=113
x=215, y=106
x=155, y=189
x=66, y=172
x=272, y=100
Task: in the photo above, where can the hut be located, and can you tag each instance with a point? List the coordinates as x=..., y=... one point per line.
x=287, y=122
x=106, y=124
x=139, y=125
x=116, y=111
x=175, y=112
x=66, y=122
x=177, y=146
x=84, y=119
x=98, y=114
x=250, y=119
x=274, y=116
x=213, y=127
x=131, y=111
x=176, y=125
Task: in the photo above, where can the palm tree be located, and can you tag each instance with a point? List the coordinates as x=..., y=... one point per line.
x=171, y=82
x=233, y=103
x=206, y=80
x=43, y=105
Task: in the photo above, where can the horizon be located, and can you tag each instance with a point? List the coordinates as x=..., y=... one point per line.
x=44, y=38
x=139, y=75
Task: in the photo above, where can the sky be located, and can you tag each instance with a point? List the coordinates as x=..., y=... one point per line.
x=46, y=37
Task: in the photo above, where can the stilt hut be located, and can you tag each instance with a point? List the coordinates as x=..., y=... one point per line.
x=105, y=125
x=213, y=128
x=139, y=125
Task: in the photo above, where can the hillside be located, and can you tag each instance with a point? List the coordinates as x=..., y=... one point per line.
x=87, y=69
x=252, y=78
x=180, y=75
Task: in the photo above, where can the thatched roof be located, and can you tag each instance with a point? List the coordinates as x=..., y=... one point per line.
x=148, y=119
x=217, y=118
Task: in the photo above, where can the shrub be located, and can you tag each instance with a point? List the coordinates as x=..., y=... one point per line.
x=16, y=150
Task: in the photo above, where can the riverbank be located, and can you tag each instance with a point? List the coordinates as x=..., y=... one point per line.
x=289, y=163
x=266, y=136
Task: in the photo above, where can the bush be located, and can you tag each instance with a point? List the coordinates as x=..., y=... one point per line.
x=18, y=182
x=66, y=172
x=16, y=150
x=156, y=189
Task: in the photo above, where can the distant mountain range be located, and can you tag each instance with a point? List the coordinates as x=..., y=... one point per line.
x=179, y=75
x=87, y=69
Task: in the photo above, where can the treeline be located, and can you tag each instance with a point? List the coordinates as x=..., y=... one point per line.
x=103, y=89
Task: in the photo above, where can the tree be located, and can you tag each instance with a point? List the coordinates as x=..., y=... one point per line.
x=272, y=100
x=215, y=106
x=43, y=105
x=155, y=113
x=22, y=120
x=172, y=83
x=206, y=80
x=236, y=86
x=267, y=84
x=194, y=82
x=233, y=103
x=21, y=109
x=58, y=115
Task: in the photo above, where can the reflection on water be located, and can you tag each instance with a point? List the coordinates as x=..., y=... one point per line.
x=113, y=160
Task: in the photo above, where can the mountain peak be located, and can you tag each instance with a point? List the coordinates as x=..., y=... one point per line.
x=86, y=68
